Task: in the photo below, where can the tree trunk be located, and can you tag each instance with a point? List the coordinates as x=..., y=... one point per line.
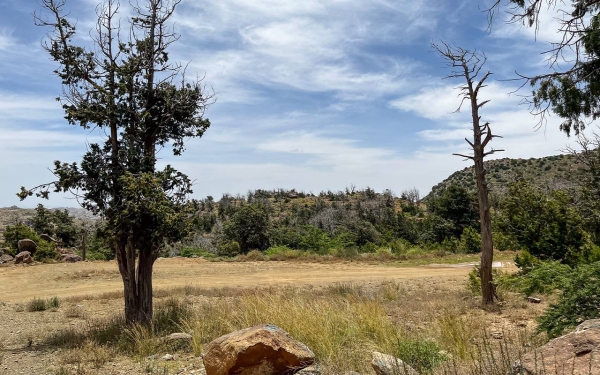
x=83, y=247
x=487, y=248
x=137, y=282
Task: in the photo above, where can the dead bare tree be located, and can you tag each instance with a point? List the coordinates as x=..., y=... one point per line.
x=468, y=65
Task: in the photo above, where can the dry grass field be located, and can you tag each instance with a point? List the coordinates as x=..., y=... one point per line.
x=342, y=310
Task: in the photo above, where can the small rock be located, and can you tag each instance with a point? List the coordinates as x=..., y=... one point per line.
x=385, y=364
x=70, y=258
x=23, y=257
x=498, y=335
x=179, y=337
x=533, y=300
x=5, y=258
x=168, y=357
x=311, y=370
x=152, y=357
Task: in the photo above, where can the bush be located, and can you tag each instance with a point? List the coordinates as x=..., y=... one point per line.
x=470, y=241
x=36, y=304
x=545, y=278
x=14, y=233
x=578, y=301
x=229, y=249
x=46, y=251
x=400, y=246
x=255, y=255
x=421, y=355
x=369, y=247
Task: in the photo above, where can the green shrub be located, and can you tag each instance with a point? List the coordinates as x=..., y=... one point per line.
x=46, y=251
x=53, y=303
x=14, y=233
x=229, y=249
x=578, y=301
x=368, y=247
x=36, y=304
x=526, y=262
x=470, y=241
x=504, y=241
x=400, y=246
x=544, y=278
x=421, y=355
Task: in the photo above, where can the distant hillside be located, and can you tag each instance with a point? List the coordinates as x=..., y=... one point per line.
x=14, y=214
x=548, y=173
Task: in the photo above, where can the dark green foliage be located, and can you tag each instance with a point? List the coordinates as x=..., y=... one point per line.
x=46, y=251
x=118, y=86
x=578, y=301
x=249, y=227
x=55, y=223
x=229, y=249
x=314, y=239
x=456, y=205
x=543, y=278
x=14, y=233
x=548, y=228
x=470, y=241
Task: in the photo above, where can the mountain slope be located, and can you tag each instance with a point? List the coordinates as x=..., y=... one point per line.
x=548, y=173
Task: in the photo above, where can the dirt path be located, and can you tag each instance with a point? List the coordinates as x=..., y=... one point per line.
x=22, y=283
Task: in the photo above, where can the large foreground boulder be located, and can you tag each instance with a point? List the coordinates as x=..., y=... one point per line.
x=264, y=349
x=385, y=364
x=27, y=245
x=577, y=353
x=23, y=257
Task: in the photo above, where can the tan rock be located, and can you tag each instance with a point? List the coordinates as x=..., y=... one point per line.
x=23, y=257
x=260, y=350
x=70, y=258
x=385, y=364
x=576, y=353
x=47, y=238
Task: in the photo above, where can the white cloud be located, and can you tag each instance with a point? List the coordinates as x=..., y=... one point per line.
x=311, y=46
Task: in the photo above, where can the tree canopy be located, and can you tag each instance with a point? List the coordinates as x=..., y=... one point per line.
x=572, y=87
x=125, y=86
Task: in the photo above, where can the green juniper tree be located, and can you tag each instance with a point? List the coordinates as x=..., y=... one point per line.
x=126, y=87
x=572, y=87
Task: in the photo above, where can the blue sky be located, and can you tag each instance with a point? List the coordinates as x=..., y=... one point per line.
x=312, y=94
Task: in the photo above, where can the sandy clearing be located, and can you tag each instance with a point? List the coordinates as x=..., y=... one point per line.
x=21, y=283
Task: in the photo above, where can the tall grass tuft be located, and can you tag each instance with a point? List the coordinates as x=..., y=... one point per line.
x=341, y=332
